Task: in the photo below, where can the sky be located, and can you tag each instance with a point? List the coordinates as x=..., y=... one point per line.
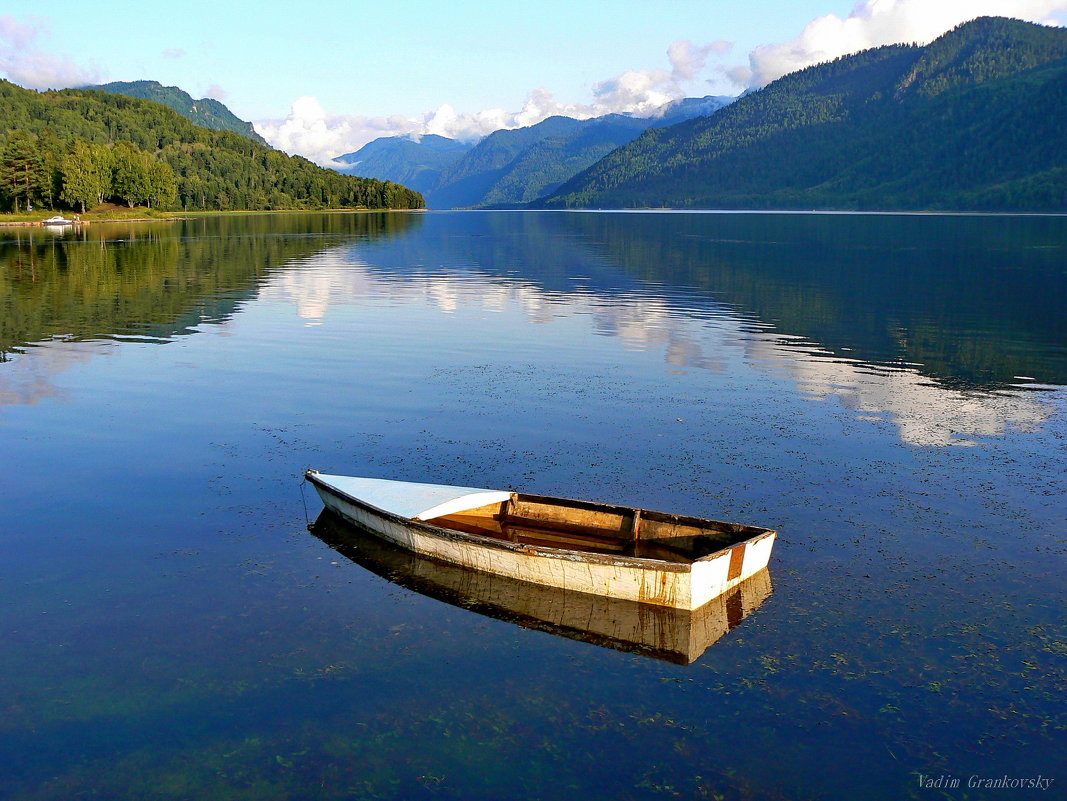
x=325, y=78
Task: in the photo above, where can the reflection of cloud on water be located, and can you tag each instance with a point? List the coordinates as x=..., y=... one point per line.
x=923, y=412
x=27, y=379
x=316, y=285
x=645, y=322
x=338, y=278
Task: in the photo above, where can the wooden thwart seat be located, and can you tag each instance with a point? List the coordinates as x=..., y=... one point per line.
x=556, y=534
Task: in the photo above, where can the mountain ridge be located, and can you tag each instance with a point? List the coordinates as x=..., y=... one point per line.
x=961, y=123
x=415, y=163
x=511, y=166
x=205, y=112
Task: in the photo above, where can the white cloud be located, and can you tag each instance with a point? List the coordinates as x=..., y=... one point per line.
x=643, y=92
x=636, y=92
x=174, y=52
x=216, y=92
x=873, y=23
x=22, y=63
x=311, y=131
x=687, y=61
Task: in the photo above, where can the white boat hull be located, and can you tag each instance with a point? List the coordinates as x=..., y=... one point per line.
x=678, y=585
x=675, y=635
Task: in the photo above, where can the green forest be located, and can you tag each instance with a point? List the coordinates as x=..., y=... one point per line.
x=972, y=121
x=75, y=149
x=205, y=112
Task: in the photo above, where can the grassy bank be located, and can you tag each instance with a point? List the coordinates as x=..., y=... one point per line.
x=114, y=213
x=101, y=214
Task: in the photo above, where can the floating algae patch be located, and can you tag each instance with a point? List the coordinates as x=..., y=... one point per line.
x=473, y=750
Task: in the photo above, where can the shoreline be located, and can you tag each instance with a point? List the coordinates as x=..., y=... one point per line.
x=82, y=223
x=187, y=215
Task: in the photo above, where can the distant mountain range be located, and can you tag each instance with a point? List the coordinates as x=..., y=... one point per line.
x=972, y=121
x=509, y=168
x=976, y=119
x=415, y=163
x=205, y=112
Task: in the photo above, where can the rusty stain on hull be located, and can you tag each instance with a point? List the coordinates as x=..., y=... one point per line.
x=737, y=561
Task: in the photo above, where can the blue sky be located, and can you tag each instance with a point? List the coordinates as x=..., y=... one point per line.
x=324, y=78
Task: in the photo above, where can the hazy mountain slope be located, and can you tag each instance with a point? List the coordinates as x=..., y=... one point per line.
x=513, y=167
x=508, y=167
x=973, y=120
x=546, y=164
x=415, y=163
x=467, y=182
x=204, y=112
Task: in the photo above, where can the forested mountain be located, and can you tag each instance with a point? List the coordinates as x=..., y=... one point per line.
x=974, y=120
x=510, y=167
x=205, y=112
x=76, y=148
x=542, y=166
x=415, y=163
x=511, y=157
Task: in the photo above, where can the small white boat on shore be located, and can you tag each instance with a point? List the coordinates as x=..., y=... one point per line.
x=58, y=220
x=602, y=549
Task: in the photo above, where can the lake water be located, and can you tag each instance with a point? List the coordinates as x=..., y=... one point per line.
x=887, y=391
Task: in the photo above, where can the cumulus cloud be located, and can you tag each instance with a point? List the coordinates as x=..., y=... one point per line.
x=311, y=131
x=873, y=23
x=644, y=92
x=216, y=92
x=174, y=52
x=688, y=60
x=23, y=63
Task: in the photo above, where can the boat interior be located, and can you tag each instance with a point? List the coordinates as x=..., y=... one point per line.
x=596, y=528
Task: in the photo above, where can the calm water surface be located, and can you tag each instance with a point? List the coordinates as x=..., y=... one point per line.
x=888, y=392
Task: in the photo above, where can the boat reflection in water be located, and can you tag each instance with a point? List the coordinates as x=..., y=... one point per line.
x=673, y=635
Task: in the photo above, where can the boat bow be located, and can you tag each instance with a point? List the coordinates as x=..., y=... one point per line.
x=412, y=501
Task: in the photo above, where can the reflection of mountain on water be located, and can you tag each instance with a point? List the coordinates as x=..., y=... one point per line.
x=155, y=281
x=534, y=247
x=674, y=635
x=972, y=302
x=767, y=285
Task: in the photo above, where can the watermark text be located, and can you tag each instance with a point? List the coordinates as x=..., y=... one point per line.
x=945, y=781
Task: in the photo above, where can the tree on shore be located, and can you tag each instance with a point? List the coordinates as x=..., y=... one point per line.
x=21, y=168
x=86, y=174
x=162, y=185
x=129, y=175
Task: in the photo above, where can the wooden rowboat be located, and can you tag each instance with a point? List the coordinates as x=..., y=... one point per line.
x=674, y=635
x=601, y=549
